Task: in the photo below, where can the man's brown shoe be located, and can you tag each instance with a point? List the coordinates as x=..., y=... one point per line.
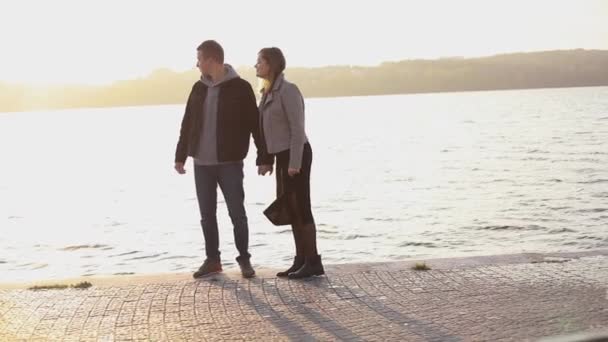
x=210, y=266
x=246, y=268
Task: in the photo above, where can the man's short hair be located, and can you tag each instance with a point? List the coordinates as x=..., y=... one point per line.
x=212, y=49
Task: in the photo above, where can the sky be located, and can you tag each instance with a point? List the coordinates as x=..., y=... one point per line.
x=98, y=42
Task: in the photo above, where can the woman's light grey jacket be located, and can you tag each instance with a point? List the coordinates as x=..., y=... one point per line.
x=282, y=119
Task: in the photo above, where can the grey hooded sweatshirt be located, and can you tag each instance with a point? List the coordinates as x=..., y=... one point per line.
x=207, y=151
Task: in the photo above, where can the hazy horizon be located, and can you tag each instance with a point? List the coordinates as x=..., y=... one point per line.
x=97, y=43
x=241, y=67
x=546, y=69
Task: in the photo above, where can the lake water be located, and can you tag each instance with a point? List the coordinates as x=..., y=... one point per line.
x=93, y=191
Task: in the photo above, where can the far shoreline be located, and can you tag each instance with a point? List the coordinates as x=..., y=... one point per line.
x=67, y=108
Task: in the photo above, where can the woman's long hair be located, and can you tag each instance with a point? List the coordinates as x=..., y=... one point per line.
x=276, y=60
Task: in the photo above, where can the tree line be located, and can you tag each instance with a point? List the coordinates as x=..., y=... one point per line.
x=561, y=68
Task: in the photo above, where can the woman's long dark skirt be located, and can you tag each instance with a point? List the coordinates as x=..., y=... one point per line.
x=298, y=185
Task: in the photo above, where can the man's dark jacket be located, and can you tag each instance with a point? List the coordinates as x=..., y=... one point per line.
x=237, y=119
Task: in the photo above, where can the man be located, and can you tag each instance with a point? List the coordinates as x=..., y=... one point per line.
x=221, y=114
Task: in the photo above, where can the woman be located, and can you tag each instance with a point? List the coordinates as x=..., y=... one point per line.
x=282, y=126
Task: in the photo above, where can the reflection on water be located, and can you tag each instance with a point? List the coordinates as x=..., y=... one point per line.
x=92, y=191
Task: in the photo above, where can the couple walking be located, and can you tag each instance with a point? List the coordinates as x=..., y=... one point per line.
x=221, y=114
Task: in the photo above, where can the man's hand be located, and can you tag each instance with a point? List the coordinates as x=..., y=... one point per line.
x=264, y=169
x=179, y=167
x=292, y=172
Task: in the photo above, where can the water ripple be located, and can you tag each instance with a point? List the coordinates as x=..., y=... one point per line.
x=509, y=227
x=418, y=244
x=588, y=237
x=147, y=256
x=123, y=254
x=388, y=219
x=180, y=256
x=538, y=151
x=77, y=247
x=594, y=181
x=559, y=208
x=354, y=236
x=39, y=266
x=402, y=180
x=592, y=210
x=562, y=230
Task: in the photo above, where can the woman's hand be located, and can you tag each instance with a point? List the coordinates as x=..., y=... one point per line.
x=264, y=169
x=292, y=172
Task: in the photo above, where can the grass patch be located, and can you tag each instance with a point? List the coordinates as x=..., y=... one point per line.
x=81, y=285
x=421, y=266
x=48, y=287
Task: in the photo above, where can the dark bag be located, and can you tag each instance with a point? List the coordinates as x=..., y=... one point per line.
x=279, y=212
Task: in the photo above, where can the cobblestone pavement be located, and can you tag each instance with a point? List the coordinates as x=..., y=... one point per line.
x=518, y=297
